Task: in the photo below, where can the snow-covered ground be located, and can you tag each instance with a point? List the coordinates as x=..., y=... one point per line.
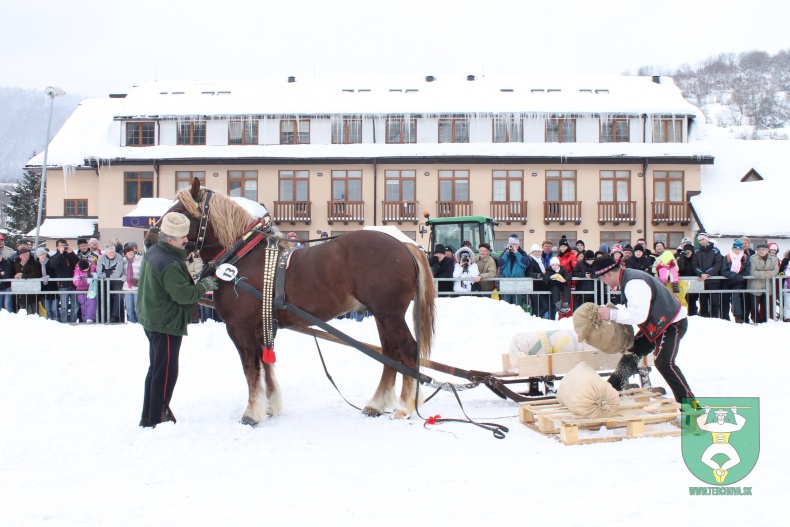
x=71, y=452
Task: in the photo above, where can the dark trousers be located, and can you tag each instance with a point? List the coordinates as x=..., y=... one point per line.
x=665, y=349
x=710, y=303
x=162, y=374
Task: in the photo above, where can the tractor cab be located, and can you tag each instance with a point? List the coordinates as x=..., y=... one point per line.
x=455, y=230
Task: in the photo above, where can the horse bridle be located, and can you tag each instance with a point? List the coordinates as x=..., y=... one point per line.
x=197, y=245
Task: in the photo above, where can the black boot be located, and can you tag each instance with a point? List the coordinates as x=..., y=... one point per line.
x=167, y=415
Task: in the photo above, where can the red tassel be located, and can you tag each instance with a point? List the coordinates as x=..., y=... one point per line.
x=432, y=420
x=268, y=356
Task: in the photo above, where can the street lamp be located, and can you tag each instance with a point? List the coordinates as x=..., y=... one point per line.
x=52, y=92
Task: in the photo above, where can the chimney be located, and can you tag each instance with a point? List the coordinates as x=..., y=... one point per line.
x=430, y=78
x=470, y=77
x=291, y=79
x=657, y=79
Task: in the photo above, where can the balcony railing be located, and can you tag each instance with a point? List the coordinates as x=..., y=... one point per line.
x=672, y=212
x=292, y=211
x=562, y=211
x=345, y=211
x=399, y=211
x=616, y=212
x=509, y=211
x=446, y=209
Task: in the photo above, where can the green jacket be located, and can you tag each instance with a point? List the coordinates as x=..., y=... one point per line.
x=166, y=291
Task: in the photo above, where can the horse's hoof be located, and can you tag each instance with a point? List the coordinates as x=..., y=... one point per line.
x=371, y=412
x=249, y=421
x=400, y=414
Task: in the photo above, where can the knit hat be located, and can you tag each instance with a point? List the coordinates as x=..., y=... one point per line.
x=464, y=251
x=80, y=241
x=554, y=260
x=627, y=247
x=702, y=236
x=534, y=247
x=514, y=239
x=449, y=248
x=603, y=265
x=684, y=241
x=175, y=224
x=772, y=245
x=291, y=234
x=83, y=264
x=439, y=248
x=40, y=251
x=737, y=244
x=603, y=248
x=23, y=241
x=563, y=241
x=580, y=242
x=589, y=255
x=616, y=249
x=324, y=235
x=639, y=247
x=689, y=247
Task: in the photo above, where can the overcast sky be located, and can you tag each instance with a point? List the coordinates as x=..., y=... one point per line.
x=96, y=47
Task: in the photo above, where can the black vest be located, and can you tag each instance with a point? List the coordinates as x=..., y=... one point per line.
x=664, y=307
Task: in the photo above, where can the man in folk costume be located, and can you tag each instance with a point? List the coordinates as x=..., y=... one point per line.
x=165, y=293
x=661, y=319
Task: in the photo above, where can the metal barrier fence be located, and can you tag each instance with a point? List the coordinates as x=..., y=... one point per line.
x=773, y=301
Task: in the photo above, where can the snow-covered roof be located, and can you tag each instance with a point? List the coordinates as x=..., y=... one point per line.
x=729, y=207
x=53, y=228
x=89, y=132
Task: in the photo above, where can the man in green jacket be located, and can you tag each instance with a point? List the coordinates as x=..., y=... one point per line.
x=165, y=292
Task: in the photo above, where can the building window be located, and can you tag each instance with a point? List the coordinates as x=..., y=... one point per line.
x=137, y=185
x=669, y=239
x=243, y=132
x=346, y=131
x=140, y=134
x=667, y=186
x=192, y=132
x=402, y=130
x=75, y=207
x=294, y=132
x=508, y=130
x=400, y=185
x=555, y=236
x=508, y=185
x=294, y=185
x=453, y=185
x=184, y=179
x=347, y=185
x=560, y=185
x=243, y=184
x=615, y=131
x=615, y=185
x=667, y=131
x=612, y=237
x=453, y=130
x=561, y=131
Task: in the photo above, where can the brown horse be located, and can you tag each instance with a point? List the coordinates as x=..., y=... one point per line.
x=357, y=271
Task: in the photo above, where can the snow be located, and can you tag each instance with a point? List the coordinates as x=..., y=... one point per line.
x=66, y=228
x=72, y=454
x=156, y=207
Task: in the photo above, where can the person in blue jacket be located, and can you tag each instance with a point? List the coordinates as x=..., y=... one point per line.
x=513, y=264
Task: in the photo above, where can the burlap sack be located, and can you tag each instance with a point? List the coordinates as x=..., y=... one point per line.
x=541, y=342
x=586, y=394
x=604, y=335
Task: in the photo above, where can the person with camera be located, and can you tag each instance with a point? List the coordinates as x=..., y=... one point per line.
x=165, y=293
x=465, y=269
x=442, y=267
x=64, y=261
x=513, y=264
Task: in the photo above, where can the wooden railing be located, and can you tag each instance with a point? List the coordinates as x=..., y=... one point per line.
x=292, y=211
x=672, y=212
x=616, y=212
x=562, y=211
x=446, y=209
x=399, y=211
x=345, y=211
x=508, y=211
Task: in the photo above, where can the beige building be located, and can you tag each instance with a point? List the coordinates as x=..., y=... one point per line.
x=602, y=159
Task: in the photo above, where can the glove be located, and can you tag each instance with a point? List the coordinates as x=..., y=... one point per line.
x=210, y=283
x=558, y=277
x=672, y=263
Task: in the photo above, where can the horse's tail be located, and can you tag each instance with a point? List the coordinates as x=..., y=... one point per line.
x=425, y=298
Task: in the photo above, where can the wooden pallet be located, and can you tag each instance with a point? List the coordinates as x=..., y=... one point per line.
x=639, y=412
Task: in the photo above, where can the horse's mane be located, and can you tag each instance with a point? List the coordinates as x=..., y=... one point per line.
x=228, y=219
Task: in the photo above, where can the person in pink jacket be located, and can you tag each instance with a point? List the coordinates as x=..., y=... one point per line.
x=83, y=277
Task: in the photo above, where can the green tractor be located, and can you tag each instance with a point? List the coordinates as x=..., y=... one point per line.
x=454, y=230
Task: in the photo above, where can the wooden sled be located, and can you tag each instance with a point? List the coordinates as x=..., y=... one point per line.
x=641, y=413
